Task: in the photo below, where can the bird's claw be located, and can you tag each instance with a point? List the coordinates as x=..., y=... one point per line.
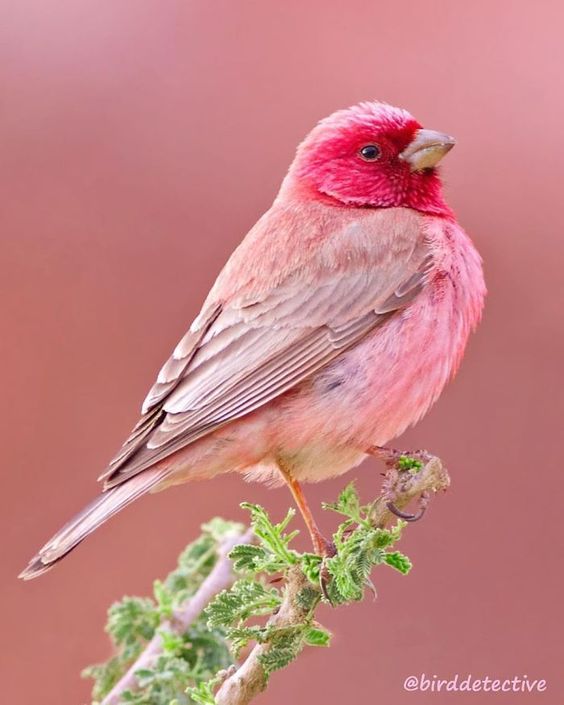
x=392, y=457
x=422, y=505
x=400, y=461
x=404, y=515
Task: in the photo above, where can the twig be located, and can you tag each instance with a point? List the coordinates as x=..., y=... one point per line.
x=400, y=487
x=221, y=577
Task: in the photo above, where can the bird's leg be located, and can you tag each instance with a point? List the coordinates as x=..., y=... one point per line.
x=404, y=460
x=321, y=545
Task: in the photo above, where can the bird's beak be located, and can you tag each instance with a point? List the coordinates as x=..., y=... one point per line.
x=426, y=149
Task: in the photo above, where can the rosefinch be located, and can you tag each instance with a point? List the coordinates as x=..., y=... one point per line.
x=333, y=326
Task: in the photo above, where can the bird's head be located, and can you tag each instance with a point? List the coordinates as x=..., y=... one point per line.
x=372, y=155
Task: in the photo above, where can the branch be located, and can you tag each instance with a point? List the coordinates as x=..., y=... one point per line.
x=220, y=578
x=400, y=487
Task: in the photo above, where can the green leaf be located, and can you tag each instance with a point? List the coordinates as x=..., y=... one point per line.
x=405, y=462
x=311, y=565
x=164, y=598
x=194, y=565
x=285, y=645
x=202, y=693
x=131, y=623
x=383, y=538
x=248, y=557
x=185, y=672
x=351, y=566
x=347, y=503
x=187, y=659
x=245, y=599
x=171, y=642
x=398, y=561
x=105, y=676
x=396, y=530
x=308, y=598
x=316, y=636
x=218, y=528
x=241, y=636
x=273, y=538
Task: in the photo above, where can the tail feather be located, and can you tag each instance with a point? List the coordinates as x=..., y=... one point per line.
x=90, y=518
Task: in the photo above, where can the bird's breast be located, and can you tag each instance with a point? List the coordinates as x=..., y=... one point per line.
x=388, y=381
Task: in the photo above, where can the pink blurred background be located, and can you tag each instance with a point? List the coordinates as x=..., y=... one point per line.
x=140, y=140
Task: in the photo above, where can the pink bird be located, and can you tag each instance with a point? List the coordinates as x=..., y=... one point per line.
x=333, y=327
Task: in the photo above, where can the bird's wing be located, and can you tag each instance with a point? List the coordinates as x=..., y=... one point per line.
x=242, y=353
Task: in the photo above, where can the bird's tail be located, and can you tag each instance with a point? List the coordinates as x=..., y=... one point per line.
x=90, y=518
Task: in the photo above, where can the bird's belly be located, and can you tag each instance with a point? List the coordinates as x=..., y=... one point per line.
x=374, y=391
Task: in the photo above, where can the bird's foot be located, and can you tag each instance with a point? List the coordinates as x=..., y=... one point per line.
x=406, y=463
x=411, y=460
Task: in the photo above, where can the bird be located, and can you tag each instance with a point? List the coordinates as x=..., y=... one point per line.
x=332, y=328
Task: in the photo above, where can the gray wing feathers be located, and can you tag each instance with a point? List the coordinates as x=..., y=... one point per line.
x=167, y=379
x=243, y=355
x=173, y=368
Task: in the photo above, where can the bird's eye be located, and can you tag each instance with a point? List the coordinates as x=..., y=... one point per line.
x=370, y=153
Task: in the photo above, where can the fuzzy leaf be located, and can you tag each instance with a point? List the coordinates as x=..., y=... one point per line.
x=285, y=647
x=202, y=693
x=241, y=636
x=218, y=528
x=311, y=564
x=406, y=462
x=316, y=636
x=131, y=623
x=185, y=672
x=245, y=599
x=272, y=537
x=347, y=503
x=164, y=598
x=398, y=561
x=248, y=557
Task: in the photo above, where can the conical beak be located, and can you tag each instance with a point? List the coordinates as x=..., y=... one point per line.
x=427, y=149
